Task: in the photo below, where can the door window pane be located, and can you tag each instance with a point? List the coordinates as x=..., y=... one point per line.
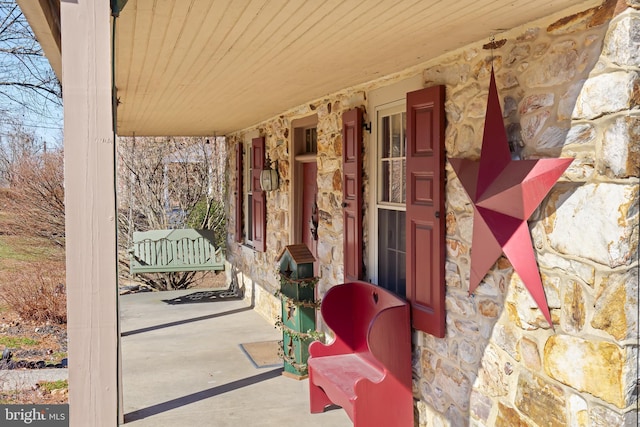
x=310, y=140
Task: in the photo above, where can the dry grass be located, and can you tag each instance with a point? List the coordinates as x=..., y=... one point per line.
x=23, y=392
x=32, y=308
x=37, y=292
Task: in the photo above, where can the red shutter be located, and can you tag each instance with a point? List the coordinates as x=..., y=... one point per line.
x=238, y=192
x=352, y=193
x=258, y=197
x=425, y=209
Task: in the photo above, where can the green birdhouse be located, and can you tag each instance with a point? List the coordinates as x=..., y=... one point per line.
x=296, y=264
x=296, y=261
x=297, y=293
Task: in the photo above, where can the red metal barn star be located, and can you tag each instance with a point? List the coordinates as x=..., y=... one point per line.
x=505, y=193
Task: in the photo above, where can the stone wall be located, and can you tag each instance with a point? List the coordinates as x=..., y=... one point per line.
x=255, y=268
x=571, y=88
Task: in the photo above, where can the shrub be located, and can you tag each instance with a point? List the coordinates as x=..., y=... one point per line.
x=209, y=215
x=37, y=292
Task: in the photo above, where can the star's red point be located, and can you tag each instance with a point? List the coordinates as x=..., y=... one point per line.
x=505, y=193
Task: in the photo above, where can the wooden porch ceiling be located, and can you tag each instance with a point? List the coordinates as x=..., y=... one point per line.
x=198, y=67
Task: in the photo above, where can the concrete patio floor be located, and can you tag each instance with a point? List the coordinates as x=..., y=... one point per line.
x=182, y=365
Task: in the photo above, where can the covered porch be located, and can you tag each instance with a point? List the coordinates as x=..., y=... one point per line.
x=183, y=364
x=269, y=71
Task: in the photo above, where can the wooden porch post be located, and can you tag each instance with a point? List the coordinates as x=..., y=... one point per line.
x=90, y=213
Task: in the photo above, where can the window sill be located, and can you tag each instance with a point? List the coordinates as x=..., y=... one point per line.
x=248, y=246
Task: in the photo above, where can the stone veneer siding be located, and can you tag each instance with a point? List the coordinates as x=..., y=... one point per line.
x=571, y=88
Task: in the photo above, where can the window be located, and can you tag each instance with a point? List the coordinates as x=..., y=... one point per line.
x=392, y=148
x=407, y=202
x=246, y=191
x=251, y=217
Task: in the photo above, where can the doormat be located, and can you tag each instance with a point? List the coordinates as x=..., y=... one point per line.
x=263, y=354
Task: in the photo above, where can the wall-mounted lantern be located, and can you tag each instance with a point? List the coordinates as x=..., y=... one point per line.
x=269, y=179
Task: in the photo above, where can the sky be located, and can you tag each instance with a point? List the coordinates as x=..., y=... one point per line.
x=21, y=62
x=46, y=124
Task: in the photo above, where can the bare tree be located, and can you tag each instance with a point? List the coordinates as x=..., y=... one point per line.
x=165, y=183
x=26, y=78
x=35, y=181
x=16, y=144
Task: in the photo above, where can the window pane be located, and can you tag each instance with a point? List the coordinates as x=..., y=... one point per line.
x=403, y=177
x=385, y=181
x=395, y=135
x=383, y=270
x=404, y=134
x=385, y=143
x=392, y=252
x=392, y=235
x=311, y=140
x=249, y=217
x=402, y=231
x=396, y=181
x=401, y=268
x=392, y=158
x=314, y=140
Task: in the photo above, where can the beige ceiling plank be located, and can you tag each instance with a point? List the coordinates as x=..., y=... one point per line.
x=319, y=22
x=228, y=64
x=240, y=83
x=247, y=45
x=241, y=17
x=292, y=56
x=219, y=25
x=124, y=53
x=302, y=33
x=417, y=26
x=279, y=31
x=133, y=94
x=334, y=34
x=227, y=12
x=171, y=39
x=366, y=21
x=164, y=13
x=240, y=88
x=261, y=43
x=388, y=19
x=178, y=51
x=138, y=45
x=280, y=24
x=192, y=41
x=326, y=55
x=370, y=40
